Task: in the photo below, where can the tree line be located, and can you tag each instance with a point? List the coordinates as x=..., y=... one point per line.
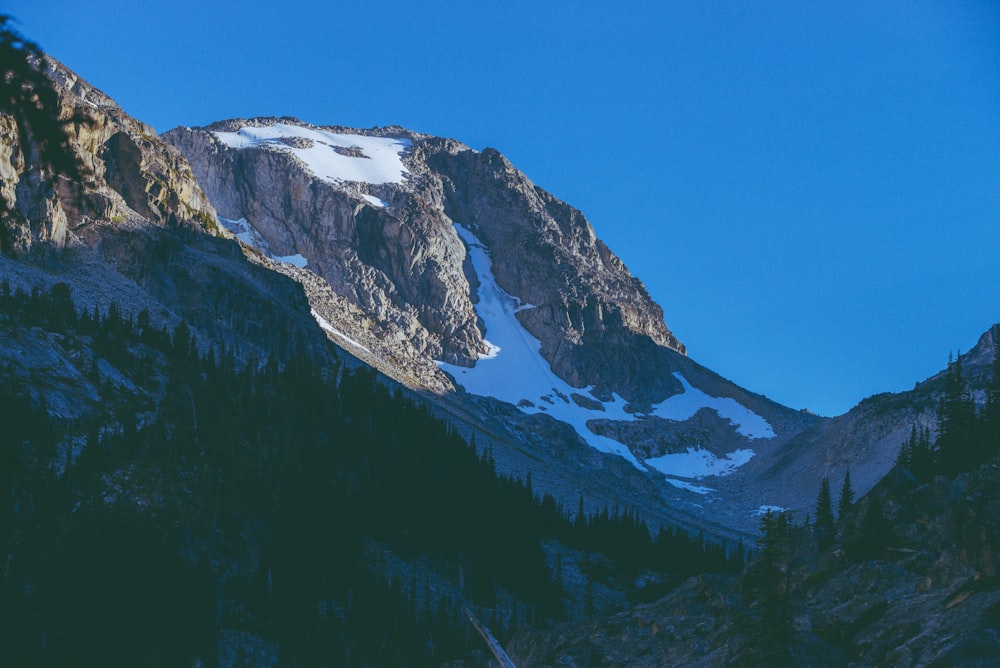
x=220, y=494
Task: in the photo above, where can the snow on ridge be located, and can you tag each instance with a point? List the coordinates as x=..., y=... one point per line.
x=298, y=260
x=680, y=407
x=329, y=155
x=248, y=234
x=377, y=202
x=326, y=326
x=514, y=371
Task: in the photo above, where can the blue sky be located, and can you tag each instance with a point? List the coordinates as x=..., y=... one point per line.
x=810, y=190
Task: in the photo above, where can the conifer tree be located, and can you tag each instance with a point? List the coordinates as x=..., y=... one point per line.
x=991, y=413
x=846, y=495
x=956, y=423
x=823, y=527
x=770, y=632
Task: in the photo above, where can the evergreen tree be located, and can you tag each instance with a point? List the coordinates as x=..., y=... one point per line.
x=873, y=534
x=823, y=526
x=769, y=629
x=991, y=412
x=956, y=423
x=846, y=496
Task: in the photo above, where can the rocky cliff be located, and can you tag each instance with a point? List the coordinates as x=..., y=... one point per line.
x=447, y=269
x=389, y=245
x=136, y=231
x=134, y=176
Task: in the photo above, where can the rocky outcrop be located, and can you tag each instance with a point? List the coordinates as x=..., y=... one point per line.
x=391, y=249
x=137, y=231
x=595, y=320
x=379, y=225
x=134, y=176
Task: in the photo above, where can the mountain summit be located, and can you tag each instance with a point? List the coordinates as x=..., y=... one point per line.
x=447, y=269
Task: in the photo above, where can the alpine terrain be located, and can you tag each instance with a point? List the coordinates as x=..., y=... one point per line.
x=277, y=393
x=449, y=270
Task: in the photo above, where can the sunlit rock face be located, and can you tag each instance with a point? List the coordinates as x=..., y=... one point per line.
x=449, y=270
x=373, y=213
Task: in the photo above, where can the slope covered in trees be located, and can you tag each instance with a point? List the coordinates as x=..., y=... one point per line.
x=210, y=504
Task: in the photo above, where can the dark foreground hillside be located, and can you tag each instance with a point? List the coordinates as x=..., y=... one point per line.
x=908, y=576
x=206, y=511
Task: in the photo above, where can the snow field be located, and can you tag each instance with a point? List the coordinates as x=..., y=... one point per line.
x=380, y=162
x=514, y=371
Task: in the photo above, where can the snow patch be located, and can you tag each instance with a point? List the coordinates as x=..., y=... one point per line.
x=691, y=487
x=298, y=260
x=764, y=510
x=682, y=406
x=697, y=463
x=514, y=371
x=336, y=332
x=377, y=202
x=329, y=155
x=246, y=233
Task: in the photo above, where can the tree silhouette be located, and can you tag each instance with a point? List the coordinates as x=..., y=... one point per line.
x=846, y=495
x=956, y=423
x=824, y=515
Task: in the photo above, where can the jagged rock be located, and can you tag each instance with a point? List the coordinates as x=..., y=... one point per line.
x=404, y=263
x=135, y=176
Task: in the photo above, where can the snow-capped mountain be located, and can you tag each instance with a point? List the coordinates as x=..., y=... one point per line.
x=449, y=270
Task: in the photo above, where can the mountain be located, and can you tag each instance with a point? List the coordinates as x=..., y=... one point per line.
x=177, y=400
x=139, y=232
x=447, y=269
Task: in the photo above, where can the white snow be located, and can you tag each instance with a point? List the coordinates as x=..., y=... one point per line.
x=764, y=510
x=381, y=162
x=336, y=332
x=376, y=201
x=514, y=371
x=249, y=235
x=298, y=260
x=246, y=233
x=682, y=406
x=698, y=463
x=697, y=489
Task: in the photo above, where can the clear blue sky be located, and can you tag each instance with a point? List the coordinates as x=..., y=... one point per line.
x=810, y=190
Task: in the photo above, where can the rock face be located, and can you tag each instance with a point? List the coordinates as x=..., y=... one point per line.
x=391, y=248
x=137, y=231
x=448, y=270
x=135, y=176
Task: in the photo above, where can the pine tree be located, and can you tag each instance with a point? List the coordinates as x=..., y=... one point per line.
x=956, y=423
x=823, y=528
x=770, y=631
x=991, y=413
x=846, y=496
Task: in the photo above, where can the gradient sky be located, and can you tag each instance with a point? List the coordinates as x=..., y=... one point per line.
x=810, y=190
